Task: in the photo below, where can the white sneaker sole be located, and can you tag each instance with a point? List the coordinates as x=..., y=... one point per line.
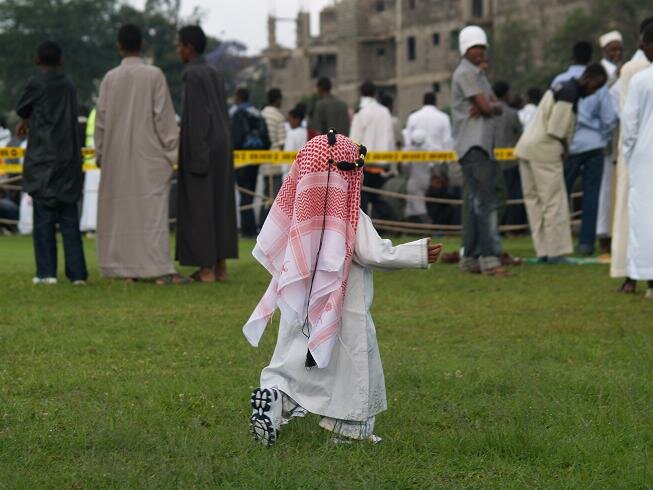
x=261, y=424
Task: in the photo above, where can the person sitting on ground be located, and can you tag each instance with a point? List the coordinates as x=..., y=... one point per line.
x=326, y=359
x=52, y=169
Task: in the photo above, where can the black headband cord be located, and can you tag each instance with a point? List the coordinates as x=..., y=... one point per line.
x=306, y=328
x=344, y=166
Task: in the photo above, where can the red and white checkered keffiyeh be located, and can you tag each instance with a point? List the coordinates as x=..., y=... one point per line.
x=289, y=241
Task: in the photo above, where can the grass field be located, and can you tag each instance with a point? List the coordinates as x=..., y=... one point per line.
x=544, y=380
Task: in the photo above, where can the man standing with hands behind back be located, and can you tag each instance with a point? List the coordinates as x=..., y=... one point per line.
x=206, y=229
x=136, y=140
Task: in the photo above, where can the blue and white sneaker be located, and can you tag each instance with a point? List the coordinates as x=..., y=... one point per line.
x=266, y=415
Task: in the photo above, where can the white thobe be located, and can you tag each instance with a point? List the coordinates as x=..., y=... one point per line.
x=637, y=126
x=295, y=139
x=372, y=126
x=427, y=129
x=605, y=193
x=352, y=386
x=526, y=114
x=620, y=221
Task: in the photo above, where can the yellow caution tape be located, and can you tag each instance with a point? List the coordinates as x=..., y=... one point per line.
x=259, y=157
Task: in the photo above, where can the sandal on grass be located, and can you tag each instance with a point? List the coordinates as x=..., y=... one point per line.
x=172, y=279
x=497, y=272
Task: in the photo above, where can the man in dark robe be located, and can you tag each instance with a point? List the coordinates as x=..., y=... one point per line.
x=206, y=227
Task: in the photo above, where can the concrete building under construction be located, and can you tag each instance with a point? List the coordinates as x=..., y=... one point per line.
x=407, y=47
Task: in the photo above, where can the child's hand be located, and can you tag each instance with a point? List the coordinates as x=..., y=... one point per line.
x=434, y=250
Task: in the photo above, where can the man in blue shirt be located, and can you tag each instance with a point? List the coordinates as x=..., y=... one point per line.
x=597, y=117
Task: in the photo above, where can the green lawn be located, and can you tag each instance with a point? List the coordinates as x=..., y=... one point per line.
x=544, y=380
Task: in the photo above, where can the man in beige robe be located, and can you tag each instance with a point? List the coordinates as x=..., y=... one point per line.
x=620, y=220
x=136, y=140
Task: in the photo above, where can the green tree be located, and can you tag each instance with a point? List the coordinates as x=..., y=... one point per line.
x=82, y=27
x=512, y=54
x=86, y=30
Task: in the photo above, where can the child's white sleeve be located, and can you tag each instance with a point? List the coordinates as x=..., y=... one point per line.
x=376, y=253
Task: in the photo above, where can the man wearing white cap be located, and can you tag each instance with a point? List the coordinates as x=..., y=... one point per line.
x=613, y=51
x=612, y=46
x=473, y=106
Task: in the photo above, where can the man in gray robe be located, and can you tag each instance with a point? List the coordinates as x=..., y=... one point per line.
x=136, y=140
x=206, y=228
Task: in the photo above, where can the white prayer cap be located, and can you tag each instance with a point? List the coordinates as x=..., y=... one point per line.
x=471, y=36
x=418, y=137
x=610, y=37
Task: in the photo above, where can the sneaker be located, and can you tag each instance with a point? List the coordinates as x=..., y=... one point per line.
x=79, y=282
x=266, y=415
x=44, y=280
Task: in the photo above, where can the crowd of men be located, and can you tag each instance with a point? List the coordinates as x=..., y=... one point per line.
x=571, y=130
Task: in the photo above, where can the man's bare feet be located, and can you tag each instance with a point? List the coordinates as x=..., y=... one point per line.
x=220, y=271
x=204, y=274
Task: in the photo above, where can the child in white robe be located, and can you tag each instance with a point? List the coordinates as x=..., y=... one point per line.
x=320, y=249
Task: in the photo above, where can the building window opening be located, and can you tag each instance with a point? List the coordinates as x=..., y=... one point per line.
x=411, y=48
x=380, y=6
x=436, y=39
x=411, y=4
x=477, y=8
x=454, y=40
x=380, y=52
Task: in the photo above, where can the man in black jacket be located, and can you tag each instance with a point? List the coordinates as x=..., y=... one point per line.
x=248, y=132
x=52, y=172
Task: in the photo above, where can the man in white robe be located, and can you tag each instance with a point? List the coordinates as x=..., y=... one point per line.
x=612, y=46
x=637, y=123
x=620, y=222
x=372, y=126
x=427, y=129
x=136, y=140
x=326, y=359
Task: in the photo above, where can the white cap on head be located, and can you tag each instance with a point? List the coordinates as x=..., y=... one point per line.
x=610, y=37
x=471, y=36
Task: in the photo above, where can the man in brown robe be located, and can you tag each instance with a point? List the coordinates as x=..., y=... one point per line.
x=206, y=228
x=136, y=140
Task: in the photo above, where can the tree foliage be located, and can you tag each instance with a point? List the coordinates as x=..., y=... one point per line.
x=87, y=30
x=512, y=53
